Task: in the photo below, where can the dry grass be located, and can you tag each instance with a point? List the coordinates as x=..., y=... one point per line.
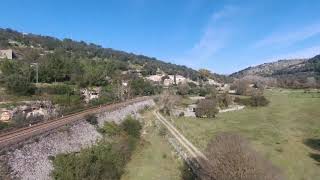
x=278, y=131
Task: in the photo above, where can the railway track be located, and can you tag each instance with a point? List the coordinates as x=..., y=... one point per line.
x=21, y=134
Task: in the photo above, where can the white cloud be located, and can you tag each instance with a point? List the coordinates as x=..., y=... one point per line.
x=288, y=38
x=213, y=39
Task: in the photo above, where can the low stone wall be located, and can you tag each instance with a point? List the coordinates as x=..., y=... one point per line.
x=31, y=160
x=119, y=115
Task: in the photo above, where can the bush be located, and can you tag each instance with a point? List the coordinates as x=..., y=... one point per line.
x=163, y=131
x=231, y=157
x=107, y=160
x=110, y=128
x=141, y=87
x=3, y=125
x=131, y=126
x=181, y=114
x=259, y=101
x=92, y=119
x=206, y=108
x=183, y=89
x=57, y=89
x=254, y=101
x=224, y=100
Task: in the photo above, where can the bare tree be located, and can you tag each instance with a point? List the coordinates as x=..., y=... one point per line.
x=167, y=101
x=231, y=158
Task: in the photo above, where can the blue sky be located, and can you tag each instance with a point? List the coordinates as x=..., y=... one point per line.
x=221, y=35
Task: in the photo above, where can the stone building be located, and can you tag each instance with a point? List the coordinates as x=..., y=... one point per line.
x=6, y=54
x=5, y=115
x=90, y=94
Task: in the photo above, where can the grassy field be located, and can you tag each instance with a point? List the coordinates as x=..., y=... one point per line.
x=154, y=158
x=287, y=131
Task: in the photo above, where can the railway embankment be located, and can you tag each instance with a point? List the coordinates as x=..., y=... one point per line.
x=32, y=158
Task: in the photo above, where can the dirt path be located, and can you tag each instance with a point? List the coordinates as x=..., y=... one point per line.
x=192, y=150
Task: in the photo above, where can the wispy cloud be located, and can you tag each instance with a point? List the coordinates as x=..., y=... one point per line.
x=213, y=39
x=225, y=12
x=286, y=38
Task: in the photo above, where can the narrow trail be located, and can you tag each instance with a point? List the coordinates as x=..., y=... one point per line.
x=192, y=150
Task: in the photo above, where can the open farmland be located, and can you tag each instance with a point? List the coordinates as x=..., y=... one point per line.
x=287, y=131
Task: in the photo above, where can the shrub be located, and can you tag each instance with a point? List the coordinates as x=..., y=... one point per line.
x=183, y=89
x=131, y=126
x=254, y=101
x=107, y=160
x=181, y=114
x=259, y=101
x=231, y=157
x=163, y=131
x=57, y=89
x=206, y=108
x=92, y=119
x=168, y=101
x=110, y=128
x=241, y=86
x=3, y=125
x=224, y=100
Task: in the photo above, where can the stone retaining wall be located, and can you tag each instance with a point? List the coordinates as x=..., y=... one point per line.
x=31, y=161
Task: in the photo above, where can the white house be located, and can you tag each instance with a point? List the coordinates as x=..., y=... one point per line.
x=90, y=94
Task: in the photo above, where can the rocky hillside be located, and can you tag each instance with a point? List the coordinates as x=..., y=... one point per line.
x=309, y=66
x=296, y=73
x=268, y=69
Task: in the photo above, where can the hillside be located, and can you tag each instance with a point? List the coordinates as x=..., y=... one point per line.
x=295, y=73
x=31, y=47
x=268, y=69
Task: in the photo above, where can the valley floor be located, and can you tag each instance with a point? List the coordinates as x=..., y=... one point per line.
x=287, y=131
x=154, y=158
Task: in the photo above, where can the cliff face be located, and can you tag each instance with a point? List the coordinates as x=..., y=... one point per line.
x=31, y=160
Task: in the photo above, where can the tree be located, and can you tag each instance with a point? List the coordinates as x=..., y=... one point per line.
x=241, y=86
x=204, y=74
x=224, y=100
x=206, y=108
x=131, y=126
x=167, y=101
x=17, y=77
x=183, y=89
x=141, y=87
x=19, y=84
x=231, y=157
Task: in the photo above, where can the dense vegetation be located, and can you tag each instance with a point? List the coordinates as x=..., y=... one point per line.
x=81, y=50
x=106, y=160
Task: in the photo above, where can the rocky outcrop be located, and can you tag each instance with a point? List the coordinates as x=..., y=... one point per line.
x=31, y=160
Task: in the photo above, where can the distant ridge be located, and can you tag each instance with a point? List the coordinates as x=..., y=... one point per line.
x=268, y=69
